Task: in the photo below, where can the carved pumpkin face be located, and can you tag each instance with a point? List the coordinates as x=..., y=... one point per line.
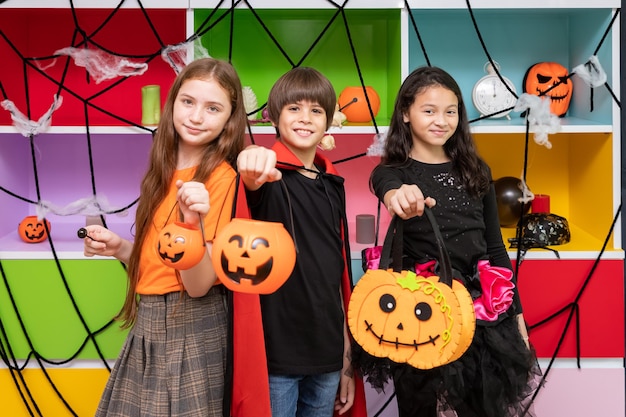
x=180, y=245
x=32, y=230
x=411, y=319
x=253, y=256
x=542, y=76
x=353, y=104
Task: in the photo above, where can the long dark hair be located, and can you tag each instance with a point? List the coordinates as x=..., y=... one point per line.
x=460, y=148
x=164, y=154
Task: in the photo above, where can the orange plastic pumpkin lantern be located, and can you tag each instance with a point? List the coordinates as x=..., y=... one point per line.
x=32, y=230
x=411, y=319
x=180, y=245
x=253, y=256
x=542, y=76
x=353, y=104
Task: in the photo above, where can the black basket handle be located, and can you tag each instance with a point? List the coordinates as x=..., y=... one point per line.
x=392, y=247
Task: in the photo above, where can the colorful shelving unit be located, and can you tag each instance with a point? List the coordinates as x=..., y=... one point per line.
x=53, y=299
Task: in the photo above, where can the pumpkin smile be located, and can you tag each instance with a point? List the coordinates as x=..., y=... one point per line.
x=173, y=259
x=262, y=271
x=33, y=236
x=396, y=343
x=552, y=97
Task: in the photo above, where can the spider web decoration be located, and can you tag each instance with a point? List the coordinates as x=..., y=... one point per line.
x=155, y=44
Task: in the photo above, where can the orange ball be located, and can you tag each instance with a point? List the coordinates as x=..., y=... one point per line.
x=353, y=104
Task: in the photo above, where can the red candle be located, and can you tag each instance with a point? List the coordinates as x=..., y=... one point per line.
x=541, y=203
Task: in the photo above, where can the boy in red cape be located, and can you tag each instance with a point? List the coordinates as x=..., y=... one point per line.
x=304, y=322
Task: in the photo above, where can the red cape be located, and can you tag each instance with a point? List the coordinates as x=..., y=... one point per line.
x=250, y=395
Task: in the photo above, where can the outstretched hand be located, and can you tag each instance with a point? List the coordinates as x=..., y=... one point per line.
x=408, y=201
x=257, y=165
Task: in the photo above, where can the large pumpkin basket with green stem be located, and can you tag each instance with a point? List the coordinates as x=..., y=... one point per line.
x=424, y=321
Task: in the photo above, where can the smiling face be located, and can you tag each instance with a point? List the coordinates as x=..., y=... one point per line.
x=409, y=319
x=201, y=109
x=302, y=126
x=432, y=118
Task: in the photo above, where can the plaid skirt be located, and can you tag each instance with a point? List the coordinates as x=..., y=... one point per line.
x=173, y=360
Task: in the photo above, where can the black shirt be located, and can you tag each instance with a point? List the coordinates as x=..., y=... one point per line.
x=303, y=320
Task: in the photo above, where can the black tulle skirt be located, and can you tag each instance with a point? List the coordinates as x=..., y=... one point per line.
x=496, y=377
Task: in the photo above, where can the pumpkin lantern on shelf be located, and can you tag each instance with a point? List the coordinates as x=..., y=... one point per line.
x=353, y=104
x=540, y=79
x=32, y=230
x=180, y=245
x=253, y=256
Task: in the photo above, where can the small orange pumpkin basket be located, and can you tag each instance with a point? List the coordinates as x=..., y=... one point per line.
x=425, y=322
x=32, y=230
x=180, y=245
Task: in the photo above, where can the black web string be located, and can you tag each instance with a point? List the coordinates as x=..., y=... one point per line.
x=6, y=350
x=417, y=32
x=493, y=65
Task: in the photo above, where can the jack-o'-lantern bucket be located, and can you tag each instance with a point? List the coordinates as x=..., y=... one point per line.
x=180, y=245
x=423, y=321
x=253, y=256
x=32, y=230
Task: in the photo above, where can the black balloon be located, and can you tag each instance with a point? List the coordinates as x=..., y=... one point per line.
x=508, y=193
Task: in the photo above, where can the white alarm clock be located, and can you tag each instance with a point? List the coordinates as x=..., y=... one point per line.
x=490, y=95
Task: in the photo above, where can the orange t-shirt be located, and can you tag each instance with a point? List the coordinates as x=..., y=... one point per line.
x=154, y=276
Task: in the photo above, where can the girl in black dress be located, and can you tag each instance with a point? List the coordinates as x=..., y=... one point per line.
x=430, y=159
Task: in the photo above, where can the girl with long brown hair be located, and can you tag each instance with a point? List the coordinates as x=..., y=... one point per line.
x=174, y=358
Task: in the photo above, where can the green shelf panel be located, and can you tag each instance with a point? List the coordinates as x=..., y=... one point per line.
x=51, y=322
x=266, y=43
